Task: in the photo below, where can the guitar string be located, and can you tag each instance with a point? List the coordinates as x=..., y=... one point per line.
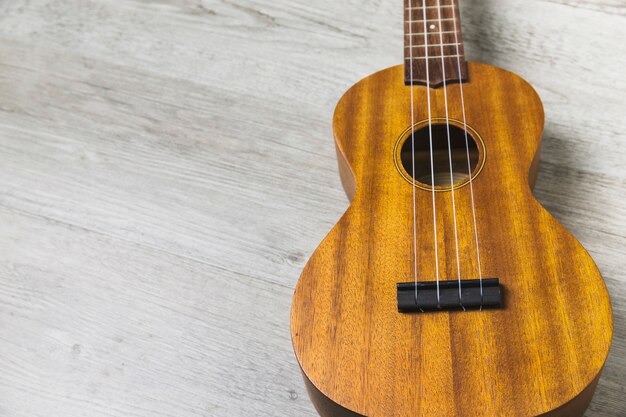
x=432, y=163
x=445, y=99
x=413, y=149
x=469, y=165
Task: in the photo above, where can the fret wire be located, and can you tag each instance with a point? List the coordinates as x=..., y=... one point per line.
x=428, y=7
x=447, y=19
x=434, y=45
x=433, y=57
x=430, y=33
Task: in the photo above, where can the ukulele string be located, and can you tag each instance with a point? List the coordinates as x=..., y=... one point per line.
x=432, y=162
x=445, y=98
x=469, y=170
x=413, y=148
x=469, y=165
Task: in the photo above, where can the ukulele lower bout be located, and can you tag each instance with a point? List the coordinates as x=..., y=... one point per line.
x=539, y=354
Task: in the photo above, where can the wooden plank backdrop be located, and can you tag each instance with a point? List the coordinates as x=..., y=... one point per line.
x=167, y=166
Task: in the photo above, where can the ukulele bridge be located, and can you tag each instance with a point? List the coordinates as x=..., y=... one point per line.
x=414, y=297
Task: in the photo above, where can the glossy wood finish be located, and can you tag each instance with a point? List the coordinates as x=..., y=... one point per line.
x=441, y=20
x=539, y=355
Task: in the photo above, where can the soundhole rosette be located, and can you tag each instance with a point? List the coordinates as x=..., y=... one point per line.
x=443, y=181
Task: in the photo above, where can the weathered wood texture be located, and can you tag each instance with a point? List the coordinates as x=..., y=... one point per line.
x=166, y=168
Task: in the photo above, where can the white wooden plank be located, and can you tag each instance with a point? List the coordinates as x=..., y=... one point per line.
x=166, y=168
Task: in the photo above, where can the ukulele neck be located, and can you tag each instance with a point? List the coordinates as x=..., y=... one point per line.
x=433, y=47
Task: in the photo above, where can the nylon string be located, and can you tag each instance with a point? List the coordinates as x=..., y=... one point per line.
x=432, y=162
x=445, y=98
x=413, y=147
x=469, y=165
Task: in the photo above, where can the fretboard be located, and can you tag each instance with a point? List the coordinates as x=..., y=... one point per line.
x=432, y=41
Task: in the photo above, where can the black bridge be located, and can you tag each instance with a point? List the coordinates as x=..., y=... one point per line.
x=427, y=298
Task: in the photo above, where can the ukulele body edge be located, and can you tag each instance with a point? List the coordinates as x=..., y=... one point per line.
x=541, y=354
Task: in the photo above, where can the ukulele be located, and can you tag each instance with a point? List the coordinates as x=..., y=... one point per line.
x=446, y=289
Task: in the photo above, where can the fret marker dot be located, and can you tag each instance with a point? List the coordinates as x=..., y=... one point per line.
x=433, y=27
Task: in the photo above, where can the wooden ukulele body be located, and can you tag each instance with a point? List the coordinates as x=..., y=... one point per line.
x=541, y=354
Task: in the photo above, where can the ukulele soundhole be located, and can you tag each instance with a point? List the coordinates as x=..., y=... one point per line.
x=442, y=154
